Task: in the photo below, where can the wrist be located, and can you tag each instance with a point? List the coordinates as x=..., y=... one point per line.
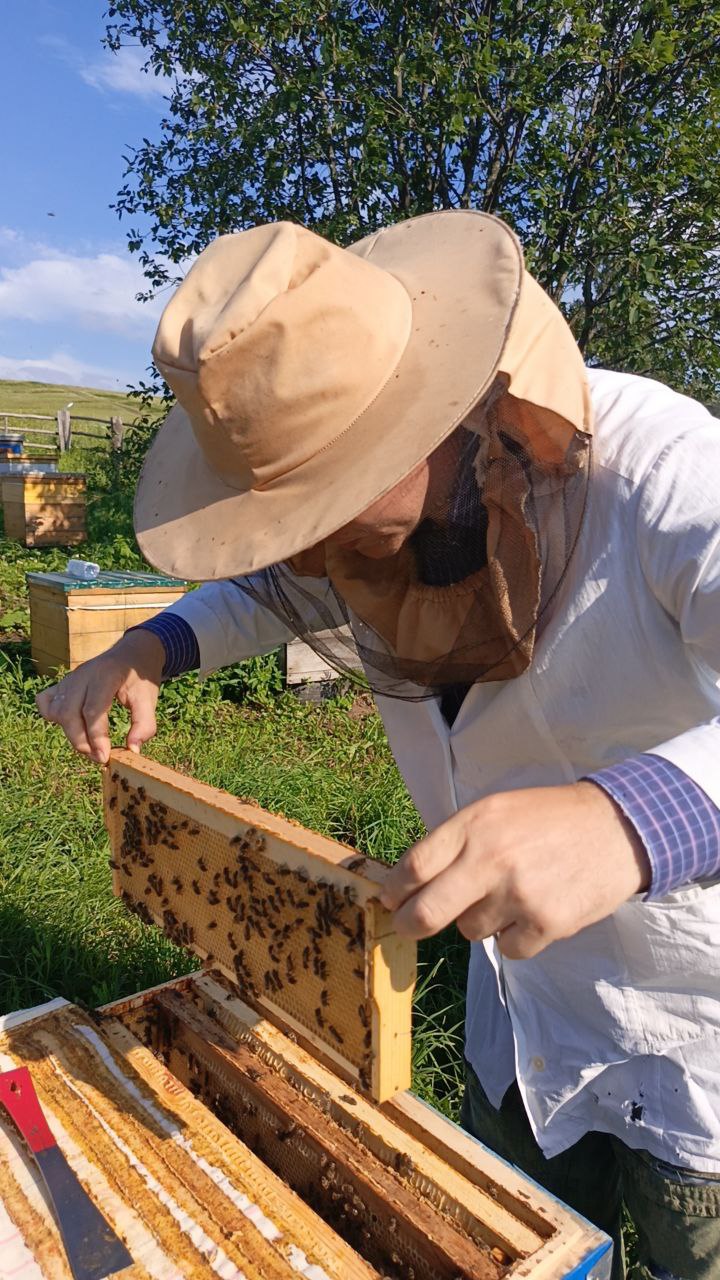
x=637, y=860
x=144, y=650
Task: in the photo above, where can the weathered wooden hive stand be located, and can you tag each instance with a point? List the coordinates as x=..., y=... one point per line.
x=252, y=1122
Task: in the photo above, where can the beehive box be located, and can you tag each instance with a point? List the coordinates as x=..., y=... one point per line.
x=71, y=620
x=303, y=665
x=44, y=509
x=223, y=1136
x=215, y=1146
x=18, y=463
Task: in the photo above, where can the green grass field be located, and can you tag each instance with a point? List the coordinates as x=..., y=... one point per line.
x=328, y=766
x=46, y=397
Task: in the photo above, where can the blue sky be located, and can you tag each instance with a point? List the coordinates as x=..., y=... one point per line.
x=67, y=281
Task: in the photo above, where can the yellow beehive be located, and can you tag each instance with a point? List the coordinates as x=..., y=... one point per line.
x=44, y=509
x=72, y=621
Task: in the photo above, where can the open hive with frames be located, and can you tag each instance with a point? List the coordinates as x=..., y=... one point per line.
x=223, y=1128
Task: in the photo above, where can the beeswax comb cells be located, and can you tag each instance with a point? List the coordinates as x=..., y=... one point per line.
x=290, y=917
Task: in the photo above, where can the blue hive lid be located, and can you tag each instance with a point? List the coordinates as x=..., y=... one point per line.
x=109, y=579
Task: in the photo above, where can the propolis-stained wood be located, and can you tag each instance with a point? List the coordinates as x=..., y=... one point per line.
x=186, y=1196
x=290, y=917
x=407, y=1189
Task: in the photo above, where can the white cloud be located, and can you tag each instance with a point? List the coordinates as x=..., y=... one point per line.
x=121, y=72
x=94, y=292
x=63, y=368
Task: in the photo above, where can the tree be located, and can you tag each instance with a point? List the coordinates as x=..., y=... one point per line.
x=592, y=129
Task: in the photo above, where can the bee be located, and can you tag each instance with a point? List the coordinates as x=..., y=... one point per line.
x=335, y=1033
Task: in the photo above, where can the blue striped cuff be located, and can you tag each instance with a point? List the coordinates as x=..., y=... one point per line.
x=677, y=822
x=182, y=652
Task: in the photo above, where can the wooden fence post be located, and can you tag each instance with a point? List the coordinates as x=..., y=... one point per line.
x=117, y=431
x=64, y=429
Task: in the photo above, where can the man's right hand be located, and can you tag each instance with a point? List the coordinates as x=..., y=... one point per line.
x=130, y=672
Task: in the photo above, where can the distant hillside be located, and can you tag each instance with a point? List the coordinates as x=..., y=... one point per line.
x=44, y=397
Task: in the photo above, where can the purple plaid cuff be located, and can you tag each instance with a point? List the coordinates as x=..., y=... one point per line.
x=677, y=822
x=182, y=652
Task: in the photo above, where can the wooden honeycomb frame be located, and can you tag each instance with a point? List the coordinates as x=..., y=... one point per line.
x=291, y=918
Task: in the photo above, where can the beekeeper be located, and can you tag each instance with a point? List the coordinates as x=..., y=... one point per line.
x=402, y=436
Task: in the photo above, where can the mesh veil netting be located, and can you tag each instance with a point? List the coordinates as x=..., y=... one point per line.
x=463, y=599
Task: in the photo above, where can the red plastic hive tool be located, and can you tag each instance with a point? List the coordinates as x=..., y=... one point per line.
x=93, y=1249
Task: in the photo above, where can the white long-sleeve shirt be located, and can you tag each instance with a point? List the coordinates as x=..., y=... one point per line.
x=618, y=1028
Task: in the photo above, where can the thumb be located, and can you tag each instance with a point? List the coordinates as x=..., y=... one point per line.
x=143, y=725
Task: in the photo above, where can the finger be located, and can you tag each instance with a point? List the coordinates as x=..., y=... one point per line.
x=521, y=941
x=70, y=720
x=43, y=702
x=58, y=707
x=422, y=863
x=95, y=716
x=449, y=895
x=485, y=918
x=52, y=702
x=143, y=726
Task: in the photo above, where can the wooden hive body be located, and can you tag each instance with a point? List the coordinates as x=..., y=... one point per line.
x=217, y=1147
x=44, y=509
x=303, y=665
x=71, y=621
x=291, y=918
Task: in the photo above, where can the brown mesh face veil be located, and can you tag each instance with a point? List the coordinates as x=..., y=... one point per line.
x=461, y=601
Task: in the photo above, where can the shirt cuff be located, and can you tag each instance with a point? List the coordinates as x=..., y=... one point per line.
x=677, y=822
x=182, y=652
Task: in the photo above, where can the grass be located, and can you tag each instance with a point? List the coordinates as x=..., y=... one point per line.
x=46, y=397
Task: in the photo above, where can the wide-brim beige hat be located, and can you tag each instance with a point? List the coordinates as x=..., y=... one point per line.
x=311, y=379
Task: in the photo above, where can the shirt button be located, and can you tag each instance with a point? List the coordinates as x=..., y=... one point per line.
x=537, y=1064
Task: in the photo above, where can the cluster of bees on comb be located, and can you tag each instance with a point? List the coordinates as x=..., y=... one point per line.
x=288, y=938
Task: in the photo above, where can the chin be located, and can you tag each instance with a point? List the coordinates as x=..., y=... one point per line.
x=381, y=550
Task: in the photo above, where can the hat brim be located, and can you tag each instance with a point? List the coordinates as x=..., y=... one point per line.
x=463, y=272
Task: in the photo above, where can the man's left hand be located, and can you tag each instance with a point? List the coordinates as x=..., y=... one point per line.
x=530, y=866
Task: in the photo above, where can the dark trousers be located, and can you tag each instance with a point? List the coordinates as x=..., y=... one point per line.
x=675, y=1213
